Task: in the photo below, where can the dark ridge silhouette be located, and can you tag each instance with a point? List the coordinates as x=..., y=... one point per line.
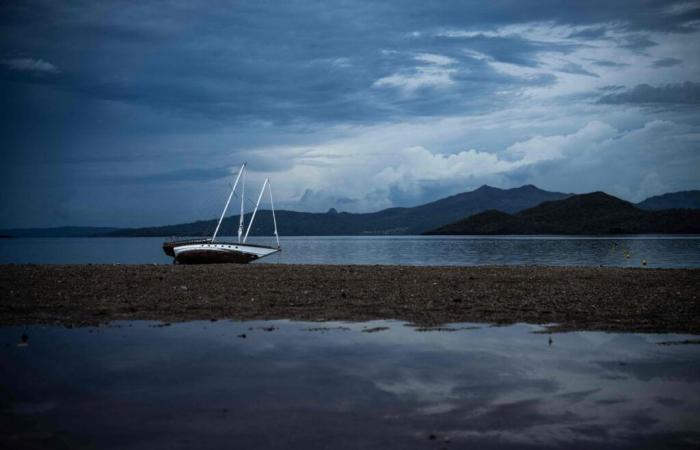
x=672, y=200
x=419, y=219
x=594, y=213
x=414, y=220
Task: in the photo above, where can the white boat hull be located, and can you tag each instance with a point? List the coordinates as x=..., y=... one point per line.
x=209, y=253
x=209, y=250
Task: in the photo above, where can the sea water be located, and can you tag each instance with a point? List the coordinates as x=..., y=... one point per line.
x=617, y=251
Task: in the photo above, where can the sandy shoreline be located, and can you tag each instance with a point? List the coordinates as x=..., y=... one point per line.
x=648, y=300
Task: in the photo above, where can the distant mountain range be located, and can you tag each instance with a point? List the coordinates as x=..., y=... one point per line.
x=594, y=213
x=676, y=200
x=413, y=220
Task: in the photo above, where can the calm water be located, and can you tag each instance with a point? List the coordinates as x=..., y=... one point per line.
x=289, y=385
x=664, y=251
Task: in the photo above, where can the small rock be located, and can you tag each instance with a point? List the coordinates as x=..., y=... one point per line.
x=183, y=287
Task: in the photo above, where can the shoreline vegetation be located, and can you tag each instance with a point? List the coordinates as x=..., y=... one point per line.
x=573, y=298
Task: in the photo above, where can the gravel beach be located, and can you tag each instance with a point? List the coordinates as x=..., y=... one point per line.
x=645, y=300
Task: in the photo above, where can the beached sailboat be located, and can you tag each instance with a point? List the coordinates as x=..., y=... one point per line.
x=209, y=250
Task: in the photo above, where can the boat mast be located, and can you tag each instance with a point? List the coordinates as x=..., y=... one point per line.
x=274, y=220
x=252, y=218
x=233, y=189
x=241, y=219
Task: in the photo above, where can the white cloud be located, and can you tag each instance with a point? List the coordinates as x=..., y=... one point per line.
x=468, y=34
x=544, y=148
x=420, y=77
x=633, y=164
x=542, y=32
x=419, y=164
x=30, y=65
x=341, y=62
x=407, y=164
x=566, y=47
x=432, y=58
x=434, y=74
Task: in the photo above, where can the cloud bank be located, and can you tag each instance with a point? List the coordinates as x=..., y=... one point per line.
x=121, y=114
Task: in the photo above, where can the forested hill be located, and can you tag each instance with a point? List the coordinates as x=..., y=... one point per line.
x=594, y=213
x=673, y=200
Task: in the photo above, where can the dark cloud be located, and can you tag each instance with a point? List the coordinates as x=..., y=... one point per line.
x=687, y=93
x=637, y=42
x=607, y=63
x=577, y=69
x=298, y=61
x=612, y=87
x=666, y=62
x=511, y=49
x=590, y=33
x=654, y=15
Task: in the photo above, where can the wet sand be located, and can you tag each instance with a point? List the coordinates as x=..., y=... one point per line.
x=647, y=300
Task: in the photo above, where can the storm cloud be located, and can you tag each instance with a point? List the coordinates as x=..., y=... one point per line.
x=118, y=114
x=681, y=93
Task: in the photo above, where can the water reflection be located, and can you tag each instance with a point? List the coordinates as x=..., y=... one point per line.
x=310, y=385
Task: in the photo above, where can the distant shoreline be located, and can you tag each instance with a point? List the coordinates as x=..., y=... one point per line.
x=615, y=299
x=602, y=214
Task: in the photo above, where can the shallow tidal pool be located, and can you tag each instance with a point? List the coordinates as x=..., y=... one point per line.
x=381, y=384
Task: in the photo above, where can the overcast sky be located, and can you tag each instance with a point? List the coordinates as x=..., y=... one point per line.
x=137, y=113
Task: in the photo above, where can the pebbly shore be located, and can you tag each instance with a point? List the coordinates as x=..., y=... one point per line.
x=644, y=300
